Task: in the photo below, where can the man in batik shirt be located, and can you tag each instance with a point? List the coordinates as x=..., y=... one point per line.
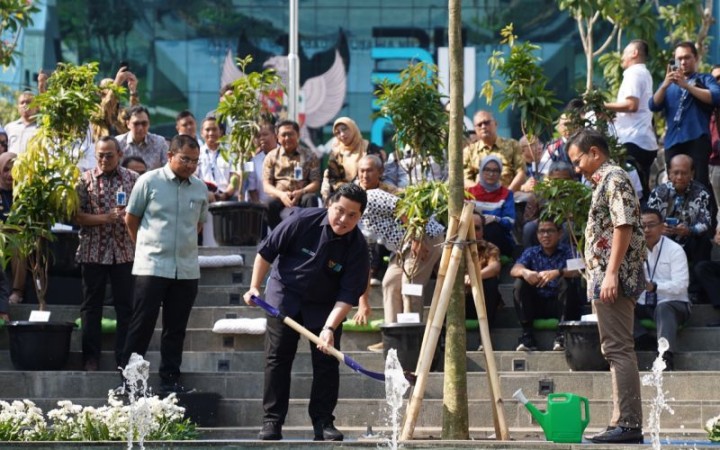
x=614, y=253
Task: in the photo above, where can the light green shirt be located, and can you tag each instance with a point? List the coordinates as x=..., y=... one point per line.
x=170, y=210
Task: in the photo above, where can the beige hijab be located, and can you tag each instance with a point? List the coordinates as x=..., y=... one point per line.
x=348, y=156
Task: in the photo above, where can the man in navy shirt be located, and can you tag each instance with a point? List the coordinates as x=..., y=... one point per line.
x=687, y=99
x=541, y=291
x=320, y=266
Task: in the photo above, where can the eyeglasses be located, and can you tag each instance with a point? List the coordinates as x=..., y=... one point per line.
x=547, y=231
x=576, y=162
x=649, y=225
x=105, y=155
x=484, y=123
x=140, y=123
x=187, y=161
x=486, y=170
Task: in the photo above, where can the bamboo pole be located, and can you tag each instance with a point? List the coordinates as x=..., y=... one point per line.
x=423, y=368
x=475, y=272
x=444, y=259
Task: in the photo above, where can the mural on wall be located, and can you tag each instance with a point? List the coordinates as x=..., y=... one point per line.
x=322, y=95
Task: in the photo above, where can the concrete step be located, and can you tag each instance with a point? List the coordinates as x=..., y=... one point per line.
x=596, y=386
x=253, y=361
x=503, y=339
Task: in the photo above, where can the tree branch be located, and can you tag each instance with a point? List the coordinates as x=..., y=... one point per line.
x=607, y=41
x=581, y=31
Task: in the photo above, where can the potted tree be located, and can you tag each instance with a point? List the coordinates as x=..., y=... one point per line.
x=414, y=108
x=44, y=194
x=240, y=223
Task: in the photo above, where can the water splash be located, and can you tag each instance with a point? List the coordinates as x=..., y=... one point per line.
x=395, y=387
x=136, y=375
x=659, y=403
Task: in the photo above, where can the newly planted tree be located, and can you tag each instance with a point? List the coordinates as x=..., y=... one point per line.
x=46, y=173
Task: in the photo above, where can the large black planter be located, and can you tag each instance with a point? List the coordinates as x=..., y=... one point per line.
x=237, y=223
x=39, y=345
x=582, y=346
x=407, y=338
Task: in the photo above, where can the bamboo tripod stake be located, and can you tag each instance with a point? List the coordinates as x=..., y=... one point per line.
x=449, y=265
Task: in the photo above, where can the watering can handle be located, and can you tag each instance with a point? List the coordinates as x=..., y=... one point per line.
x=587, y=411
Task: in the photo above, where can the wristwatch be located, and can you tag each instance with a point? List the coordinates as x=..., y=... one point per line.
x=328, y=327
x=562, y=271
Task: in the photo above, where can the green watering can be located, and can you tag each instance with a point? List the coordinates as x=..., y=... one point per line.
x=566, y=417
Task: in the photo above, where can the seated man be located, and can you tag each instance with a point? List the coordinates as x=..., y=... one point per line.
x=666, y=297
x=685, y=205
x=542, y=290
x=489, y=256
x=291, y=173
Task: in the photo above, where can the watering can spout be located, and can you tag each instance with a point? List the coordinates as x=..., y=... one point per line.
x=539, y=416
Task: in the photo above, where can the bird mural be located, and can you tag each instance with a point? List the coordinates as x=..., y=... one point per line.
x=322, y=95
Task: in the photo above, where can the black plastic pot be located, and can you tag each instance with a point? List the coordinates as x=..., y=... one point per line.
x=237, y=223
x=39, y=345
x=406, y=338
x=582, y=346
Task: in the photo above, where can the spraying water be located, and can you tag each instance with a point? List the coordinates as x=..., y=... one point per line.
x=659, y=403
x=395, y=387
x=136, y=375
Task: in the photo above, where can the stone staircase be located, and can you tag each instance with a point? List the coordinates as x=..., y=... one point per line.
x=232, y=366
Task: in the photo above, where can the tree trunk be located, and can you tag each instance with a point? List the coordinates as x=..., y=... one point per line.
x=455, y=404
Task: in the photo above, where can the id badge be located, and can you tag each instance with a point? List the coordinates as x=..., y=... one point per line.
x=298, y=173
x=120, y=198
x=651, y=299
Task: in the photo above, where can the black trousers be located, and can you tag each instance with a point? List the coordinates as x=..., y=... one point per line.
x=530, y=306
x=491, y=289
x=177, y=298
x=698, y=249
x=495, y=233
x=94, y=280
x=699, y=150
x=644, y=160
x=280, y=347
x=275, y=207
x=708, y=275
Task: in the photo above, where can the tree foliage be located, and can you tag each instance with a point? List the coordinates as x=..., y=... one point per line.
x=522, y=84
x=15, y=15
x=45, y=175
x=415, y=110
x=244, y=107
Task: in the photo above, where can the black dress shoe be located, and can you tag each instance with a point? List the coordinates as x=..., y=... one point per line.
x=619, y=435
x=271, y=431
x=326, y=431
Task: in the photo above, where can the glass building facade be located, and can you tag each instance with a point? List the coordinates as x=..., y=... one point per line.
x=178, y=47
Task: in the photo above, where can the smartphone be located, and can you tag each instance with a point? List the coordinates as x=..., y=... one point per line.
x=673, y=64
x=672, y=221
x=124, y=65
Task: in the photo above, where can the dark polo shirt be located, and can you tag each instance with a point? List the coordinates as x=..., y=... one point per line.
x=312, y=267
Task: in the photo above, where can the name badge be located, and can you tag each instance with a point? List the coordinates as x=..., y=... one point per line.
x=298, y=173
x=416, y=290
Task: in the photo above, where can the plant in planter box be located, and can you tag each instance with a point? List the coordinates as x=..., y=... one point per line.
x=45, y=175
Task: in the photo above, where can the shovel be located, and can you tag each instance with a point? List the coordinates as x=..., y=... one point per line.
x=340, y=356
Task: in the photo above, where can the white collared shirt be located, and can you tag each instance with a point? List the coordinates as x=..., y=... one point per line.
x=671, y=275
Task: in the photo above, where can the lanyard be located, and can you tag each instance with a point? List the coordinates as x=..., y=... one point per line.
x=652, y=274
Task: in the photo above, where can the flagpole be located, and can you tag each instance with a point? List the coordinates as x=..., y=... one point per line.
x=293, y=88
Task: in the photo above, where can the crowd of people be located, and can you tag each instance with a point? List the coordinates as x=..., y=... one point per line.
x=333, y=233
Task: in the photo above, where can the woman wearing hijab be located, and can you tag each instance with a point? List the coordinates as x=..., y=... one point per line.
x=496, y=203
x=7, y=160
x=348, y=148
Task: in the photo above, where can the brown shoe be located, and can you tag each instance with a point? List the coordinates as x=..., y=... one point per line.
x=376, y=348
